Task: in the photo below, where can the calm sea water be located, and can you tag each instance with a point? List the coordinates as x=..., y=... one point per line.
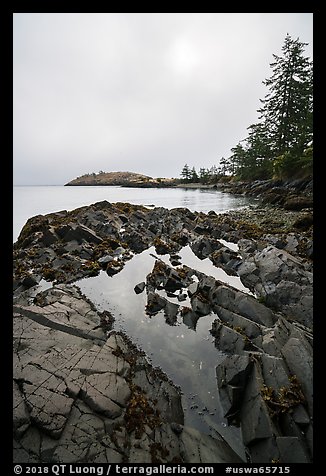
x=31, y=201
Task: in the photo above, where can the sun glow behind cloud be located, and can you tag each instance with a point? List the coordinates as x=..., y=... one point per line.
x=138, y=92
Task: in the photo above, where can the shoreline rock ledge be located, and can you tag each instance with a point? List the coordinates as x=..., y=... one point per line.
x=83, y=392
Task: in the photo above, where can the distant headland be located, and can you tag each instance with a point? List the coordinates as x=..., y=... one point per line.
x=291, y=194
x=124, y=179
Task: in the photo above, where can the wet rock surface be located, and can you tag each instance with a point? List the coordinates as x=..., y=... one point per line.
x=85, y=393
x=92, y=396
x=290, y=194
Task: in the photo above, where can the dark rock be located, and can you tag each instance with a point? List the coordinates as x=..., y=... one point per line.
x=114, y=267
x=87, y=234
x=281, y=279
x=224, y=255
x=300, y=416
x=241, y=303
x=76, y=389
x=304, y=222
x=118, y=251
x=298, y=357
x=204, y=246
x=31, y=280
x=123, y=218
x=175, y=260
x=104, y=260
x=249, y=328
x=136, y=241
x=198, y=447
x=72, y=232
x=155, y=303
x=173, y=283
x=249, y=307
x=232, y=375
x=200, y=305
x=203, y=230
x=293, y=300
x=310, y=249
x=274, y=372
x=49, y=237
x=309, y=438
x=274, y=197
x=170, y=313
x=291, y=450
x=298, y=203
x=182, y=297
x=255, y=420
x=265, y=450
x=190, y=318
x=73, y=247
x=139, y=288
x=226, y=339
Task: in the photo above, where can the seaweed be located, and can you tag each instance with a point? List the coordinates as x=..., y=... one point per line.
x=287, y=397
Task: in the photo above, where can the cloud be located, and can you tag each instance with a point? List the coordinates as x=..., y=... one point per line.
x=139, y=92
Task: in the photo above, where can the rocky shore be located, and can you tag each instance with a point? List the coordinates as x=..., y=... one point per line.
x=289, y=194
x=294, y=194
x=84, y=393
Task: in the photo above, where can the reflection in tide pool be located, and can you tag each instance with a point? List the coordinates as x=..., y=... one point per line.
x=187, y=356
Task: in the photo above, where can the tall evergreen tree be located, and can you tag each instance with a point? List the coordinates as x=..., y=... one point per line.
x=203, y=175
x=186, y=173
x=287, y=108
x=284, y=129
x=193, y=175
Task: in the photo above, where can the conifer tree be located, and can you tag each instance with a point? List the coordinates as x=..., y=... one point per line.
x=186, y=173
x=284, y=129
x=287, y=108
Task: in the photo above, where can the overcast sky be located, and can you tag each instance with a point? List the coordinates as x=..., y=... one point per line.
x=142, y=92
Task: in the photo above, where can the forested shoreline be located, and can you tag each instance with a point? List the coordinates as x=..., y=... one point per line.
x=280, y=144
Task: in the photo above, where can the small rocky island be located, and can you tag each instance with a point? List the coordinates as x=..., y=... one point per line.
x=123, y=179
x=83, y=392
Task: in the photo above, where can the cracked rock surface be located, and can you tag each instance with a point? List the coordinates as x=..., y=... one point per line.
x=84, y=393
x=90, y=397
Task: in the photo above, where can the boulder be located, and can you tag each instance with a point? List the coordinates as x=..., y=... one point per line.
x=232, y=375
x=298, y=203
x=49, y=237
x=204, y=246
x=227, y=340
x=104, y=260
x=200, y=305
x=282, y=280
x=242, y=304
x=299, y=359
x=255, y=311
x=139, y=288
x=72, y=232
x=255, y=419
x=249, y=328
